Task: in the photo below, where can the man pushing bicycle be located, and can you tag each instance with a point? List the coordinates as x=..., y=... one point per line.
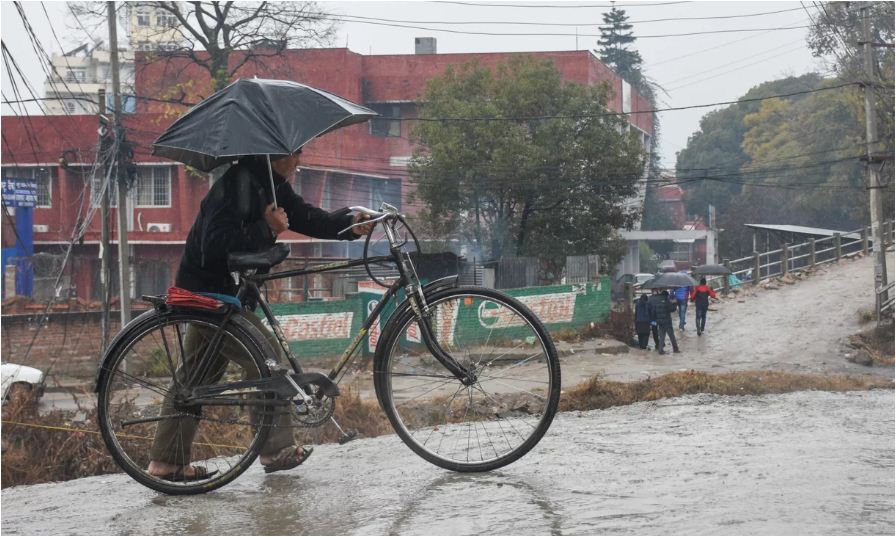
x=237, y=215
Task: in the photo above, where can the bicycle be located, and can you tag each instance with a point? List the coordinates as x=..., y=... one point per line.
x=468, y=376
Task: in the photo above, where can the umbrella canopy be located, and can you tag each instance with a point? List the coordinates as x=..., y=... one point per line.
x=255, y=117
x=669, y=279
x=712, y=270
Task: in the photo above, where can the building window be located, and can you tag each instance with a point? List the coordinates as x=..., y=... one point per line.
x=165, y=19
x=153, y=186
x=388, y=124
x=384, y=190
x=337, y=191
x=75, y=74
x=96, y=192
x=142, y=18
x=43, y=176
x=153, y=277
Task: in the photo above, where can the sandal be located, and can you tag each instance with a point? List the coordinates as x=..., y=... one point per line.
x=199, y=473
x=288, y=458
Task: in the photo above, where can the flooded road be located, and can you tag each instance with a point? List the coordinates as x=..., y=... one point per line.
x=800, y=463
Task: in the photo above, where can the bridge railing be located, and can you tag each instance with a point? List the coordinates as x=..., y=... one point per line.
x=803, y=256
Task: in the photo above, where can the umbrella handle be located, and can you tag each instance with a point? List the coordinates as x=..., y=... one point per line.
x=271, y=177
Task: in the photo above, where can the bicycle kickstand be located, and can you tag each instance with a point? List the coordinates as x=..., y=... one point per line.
x=347, y=436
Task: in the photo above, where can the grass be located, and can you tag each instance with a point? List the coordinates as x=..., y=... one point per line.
x=597, y=393
x=57, y=447
x=877, y=342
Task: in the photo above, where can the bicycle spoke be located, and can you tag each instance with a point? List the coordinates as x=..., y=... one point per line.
x=148, y=416
x=492, y=421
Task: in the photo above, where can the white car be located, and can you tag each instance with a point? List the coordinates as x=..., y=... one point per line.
x=21, y=379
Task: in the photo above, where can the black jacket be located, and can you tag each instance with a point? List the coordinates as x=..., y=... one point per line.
x=231, y=219
x=661, y=309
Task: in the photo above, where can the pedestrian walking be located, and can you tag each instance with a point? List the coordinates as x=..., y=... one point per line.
x=661, y=315
x=642, y=321
x=700, y=295
x=681, y=297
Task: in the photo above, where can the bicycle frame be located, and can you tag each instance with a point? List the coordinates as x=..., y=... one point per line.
x=250, y=283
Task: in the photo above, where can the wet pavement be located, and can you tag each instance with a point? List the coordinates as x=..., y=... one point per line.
x=800, y=463
x=799, y=328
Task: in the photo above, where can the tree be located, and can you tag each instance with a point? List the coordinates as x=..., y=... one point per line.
x=836, y=30
x=208, y=33
x=836, y=35
x=793, y=160
x=615, y=36
x=706, y=165
x=530, y=166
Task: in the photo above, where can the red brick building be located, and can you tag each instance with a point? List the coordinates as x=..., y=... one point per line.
x=358, y=165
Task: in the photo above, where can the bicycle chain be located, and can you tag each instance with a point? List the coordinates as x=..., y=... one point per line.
x=310, y=425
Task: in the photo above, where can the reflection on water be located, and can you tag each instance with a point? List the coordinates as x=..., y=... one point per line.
x=494, y=500
x=802, y=463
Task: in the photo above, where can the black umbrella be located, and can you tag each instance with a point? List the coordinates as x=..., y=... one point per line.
x=712, y=270
x=255, y=117
x=669, y=279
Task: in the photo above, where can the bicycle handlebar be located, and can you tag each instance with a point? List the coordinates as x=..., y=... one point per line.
x=386, y=211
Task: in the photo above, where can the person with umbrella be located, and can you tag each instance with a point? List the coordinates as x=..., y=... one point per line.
x=642, y=321
x=262, y=125
x=700, y=296
x=661, y=315
x=681, y=299
x=662, y=307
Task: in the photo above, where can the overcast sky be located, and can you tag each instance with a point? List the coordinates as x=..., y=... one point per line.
x=693, y=70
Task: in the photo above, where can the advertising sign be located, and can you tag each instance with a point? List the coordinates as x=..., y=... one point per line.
x=19, y=192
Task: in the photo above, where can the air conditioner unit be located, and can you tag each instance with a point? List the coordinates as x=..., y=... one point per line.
x=40, y=228
x=158, y=228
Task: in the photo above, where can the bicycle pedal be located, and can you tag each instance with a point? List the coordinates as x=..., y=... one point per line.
x=348, y=436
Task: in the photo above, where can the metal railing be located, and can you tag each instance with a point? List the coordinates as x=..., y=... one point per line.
x=803, y=256
x=883, y=299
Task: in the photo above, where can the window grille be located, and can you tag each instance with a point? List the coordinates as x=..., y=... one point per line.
x=42, y=175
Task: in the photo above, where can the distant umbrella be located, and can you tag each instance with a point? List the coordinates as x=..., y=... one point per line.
x=712, y=270
x=669, y=279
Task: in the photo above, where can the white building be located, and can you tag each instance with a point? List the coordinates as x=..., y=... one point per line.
x=78, y=76
x=80, y=73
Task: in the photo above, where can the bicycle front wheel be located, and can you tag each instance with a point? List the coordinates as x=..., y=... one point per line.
x=145, y=385
x=484, y=425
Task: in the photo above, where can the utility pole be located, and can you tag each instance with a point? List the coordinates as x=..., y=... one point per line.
x=871, y=141
x=124, y=270
x=105, y=272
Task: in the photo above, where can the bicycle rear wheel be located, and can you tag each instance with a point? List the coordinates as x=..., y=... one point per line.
x=146, y=375
x=495, y=420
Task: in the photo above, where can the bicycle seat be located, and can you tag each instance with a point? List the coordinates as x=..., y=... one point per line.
x=257, y=260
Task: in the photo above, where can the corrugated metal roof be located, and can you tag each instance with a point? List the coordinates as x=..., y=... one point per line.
x=803, y=230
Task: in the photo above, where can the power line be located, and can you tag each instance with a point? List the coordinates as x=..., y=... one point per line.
x=62, y=50
x=560, y=24
x=553, y=34
x=691, y=83
x=558, y=6
x=715, y=47
x=40, y=50
x=650, y=111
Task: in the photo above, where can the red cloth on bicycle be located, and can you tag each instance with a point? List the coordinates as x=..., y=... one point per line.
x=188, y=299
